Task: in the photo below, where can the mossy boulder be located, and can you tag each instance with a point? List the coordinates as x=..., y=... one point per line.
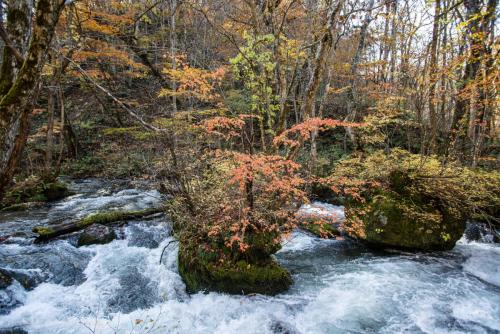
x=389, y=220
x=202, y=270
x=35, y=190
x=96, y=234
x=405, y=201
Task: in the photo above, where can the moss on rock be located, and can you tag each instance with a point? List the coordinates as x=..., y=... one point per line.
x=34, y=189
x=202, y=270
x=391, y=221
x=401, y=200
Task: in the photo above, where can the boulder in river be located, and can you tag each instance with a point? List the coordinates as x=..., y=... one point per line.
x=201, y=271
x=96, y=234
x=33, y=190
x=399, y=201
x=389, y=220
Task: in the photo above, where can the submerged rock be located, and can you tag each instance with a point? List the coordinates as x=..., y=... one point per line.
x=202, y=272
x=136, y=291
x=96, y=234
x=13, y=330
x=58, y=263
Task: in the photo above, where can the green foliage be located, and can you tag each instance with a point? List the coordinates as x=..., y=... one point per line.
x=255, y=65
x=390, y=125
x=238, y=102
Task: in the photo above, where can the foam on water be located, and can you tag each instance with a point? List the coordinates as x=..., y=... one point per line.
x=340, y=287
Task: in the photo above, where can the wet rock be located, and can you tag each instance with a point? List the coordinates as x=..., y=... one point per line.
x=139, y=236
x=136, y=291
x=56, y=191
x=29, y=279
x=13, y=330
x=472, y=232
x=5, y=279
x=481, y=232
x=96, y=234
x=58, y=263
x=281, y=327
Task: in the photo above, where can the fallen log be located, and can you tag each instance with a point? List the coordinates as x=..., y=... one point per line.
x=51, y=231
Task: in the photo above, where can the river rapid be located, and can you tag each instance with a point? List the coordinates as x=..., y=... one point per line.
x=339, y=285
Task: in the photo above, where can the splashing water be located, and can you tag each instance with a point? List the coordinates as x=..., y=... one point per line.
x=340, y=287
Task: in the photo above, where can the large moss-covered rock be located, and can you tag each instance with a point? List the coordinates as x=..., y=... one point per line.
x=403, y=200
x=35, y=190
x=389, y=220
x=203, y=271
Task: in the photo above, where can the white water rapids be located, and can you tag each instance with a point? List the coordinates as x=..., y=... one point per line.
x=339, y=286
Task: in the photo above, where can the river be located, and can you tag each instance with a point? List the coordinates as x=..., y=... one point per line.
x=339, y=285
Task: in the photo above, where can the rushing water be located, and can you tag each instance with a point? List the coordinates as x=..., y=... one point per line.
x=340, y=287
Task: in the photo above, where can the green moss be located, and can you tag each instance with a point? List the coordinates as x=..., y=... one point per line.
x=390, y=221
x=43, y=230
x=33, y=189
x=200, y=271
x=113, y=216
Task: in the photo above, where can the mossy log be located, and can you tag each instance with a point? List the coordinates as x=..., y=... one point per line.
x=321, y=230
x=51, y=231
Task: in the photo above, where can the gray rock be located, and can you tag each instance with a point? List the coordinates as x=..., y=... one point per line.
x=58, y=263
x=96, y=234
x=472, y=232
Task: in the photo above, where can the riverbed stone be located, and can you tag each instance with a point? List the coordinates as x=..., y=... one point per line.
x=96, y=234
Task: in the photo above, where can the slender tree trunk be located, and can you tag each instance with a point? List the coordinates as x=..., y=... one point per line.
x=433, y=119
x=173, y=26
x=459, y=143
x=351, y=93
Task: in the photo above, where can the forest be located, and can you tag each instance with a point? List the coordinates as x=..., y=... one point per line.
x=262, y=166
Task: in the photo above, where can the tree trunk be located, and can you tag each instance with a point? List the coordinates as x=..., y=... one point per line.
x=459, y=143
x=433, y=119
x=323, y=50
x=16, y=102
x=351, y=93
